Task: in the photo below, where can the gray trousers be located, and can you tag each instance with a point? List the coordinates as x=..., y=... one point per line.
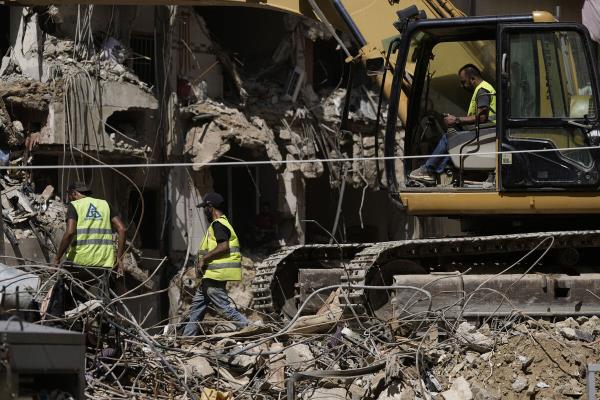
x=214, y=293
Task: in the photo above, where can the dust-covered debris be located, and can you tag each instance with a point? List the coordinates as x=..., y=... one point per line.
x=346, y=358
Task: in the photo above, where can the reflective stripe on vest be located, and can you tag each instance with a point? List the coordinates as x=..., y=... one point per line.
x=231, y=250
x=93, y=244
x=492, y=108
x=228, y=267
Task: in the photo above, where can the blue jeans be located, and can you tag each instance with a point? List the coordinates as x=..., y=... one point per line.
x=438, y=164
x=212, y=292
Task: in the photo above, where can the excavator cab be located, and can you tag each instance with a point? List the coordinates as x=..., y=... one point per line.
x=544, y=136
x=549, y=108
x=524, y=186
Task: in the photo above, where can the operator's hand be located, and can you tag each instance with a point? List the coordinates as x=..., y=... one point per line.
x=56, y=261
x=450, y=120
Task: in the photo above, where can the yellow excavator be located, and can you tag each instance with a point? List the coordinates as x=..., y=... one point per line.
x=526, y=186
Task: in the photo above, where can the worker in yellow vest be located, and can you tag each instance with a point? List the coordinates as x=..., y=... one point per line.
x=89, y=236
x=482, y=105
x=219, y=261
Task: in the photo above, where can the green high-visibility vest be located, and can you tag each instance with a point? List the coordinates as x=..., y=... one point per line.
x=492, y=108
x=93, y=244
x=228, y=267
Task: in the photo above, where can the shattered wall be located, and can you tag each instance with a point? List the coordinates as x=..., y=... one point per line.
x=262, y=118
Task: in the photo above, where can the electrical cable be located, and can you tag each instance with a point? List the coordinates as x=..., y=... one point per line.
x=278, y=162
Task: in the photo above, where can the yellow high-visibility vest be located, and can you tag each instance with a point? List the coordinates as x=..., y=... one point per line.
x=228, y=267
x=492, y=108
x=93, y=245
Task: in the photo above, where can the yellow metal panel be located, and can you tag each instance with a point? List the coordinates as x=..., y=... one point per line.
x=473, y=203
x=543, y=16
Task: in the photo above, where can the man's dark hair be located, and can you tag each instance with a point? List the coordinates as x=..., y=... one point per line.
x=471, y=71
x=80, y=187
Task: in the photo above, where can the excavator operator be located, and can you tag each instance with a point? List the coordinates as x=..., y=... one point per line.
x=483, y=104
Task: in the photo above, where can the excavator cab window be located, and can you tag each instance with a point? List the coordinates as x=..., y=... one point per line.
x=434, y=59
x=548, y=114
x=549, y=77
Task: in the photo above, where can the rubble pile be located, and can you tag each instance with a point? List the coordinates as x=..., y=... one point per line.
x=220, y=127
x=531, y=359
x=45, y=74
x=516, y=359
x=30, y=215
x=331, y=355
x=60, y=60
x=284, y=130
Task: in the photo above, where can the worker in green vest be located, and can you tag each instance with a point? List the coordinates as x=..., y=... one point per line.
x=482, y=105
x=219, y=261
x=88, y=239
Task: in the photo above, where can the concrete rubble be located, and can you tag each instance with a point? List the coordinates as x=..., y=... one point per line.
x=354, y=359
x=33, y=223
x=337, y=357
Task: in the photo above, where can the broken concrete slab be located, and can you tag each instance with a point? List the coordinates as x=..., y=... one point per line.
x=520, y=383
x=576, y=334
x=591, y=326
x=47, y=194
x=460, y=390
x=199, y=366
x=468, y=334
x=28, y=49
x=297, y=355
x=208, y=143
x=480, y=393
x=325, y=319
x=83, y=308
x=276, y=376
x=234, y=382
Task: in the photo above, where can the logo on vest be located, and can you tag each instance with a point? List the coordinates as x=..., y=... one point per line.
x=93, y=213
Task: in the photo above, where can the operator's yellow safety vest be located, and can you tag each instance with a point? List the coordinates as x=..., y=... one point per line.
x=93, y=243
x=228, y=267
x=473, y=104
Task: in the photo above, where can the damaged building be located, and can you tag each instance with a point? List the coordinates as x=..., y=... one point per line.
x=89, y=87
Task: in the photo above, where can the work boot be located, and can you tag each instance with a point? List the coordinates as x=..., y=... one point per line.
x=490, y=182
x=224, y=327
x=422, y=174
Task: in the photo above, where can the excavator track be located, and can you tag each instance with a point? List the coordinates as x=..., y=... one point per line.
x=363, y=262
x=268, y=282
